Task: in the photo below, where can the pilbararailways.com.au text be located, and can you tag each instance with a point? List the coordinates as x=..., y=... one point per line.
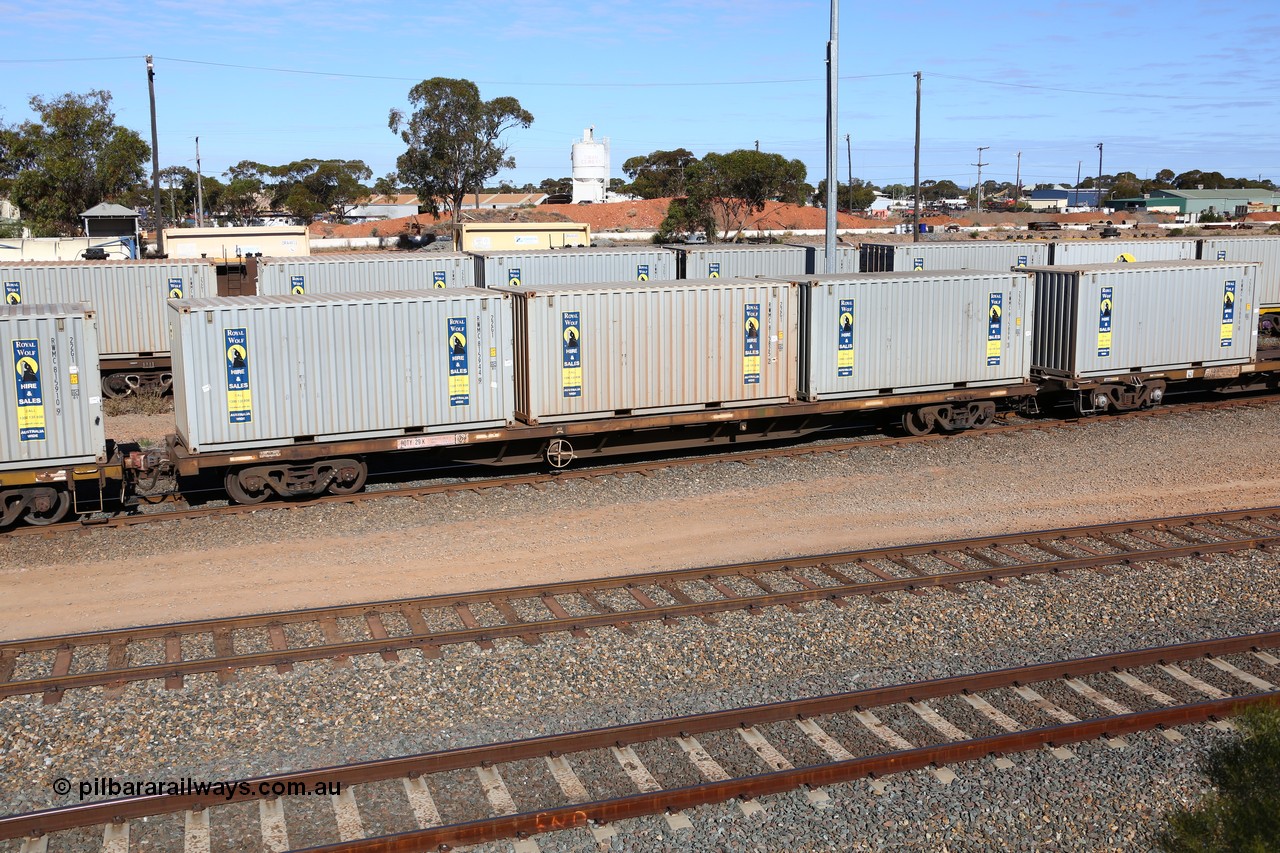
x=109, y=786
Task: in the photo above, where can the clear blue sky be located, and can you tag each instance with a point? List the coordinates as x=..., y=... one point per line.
x=1178, y=84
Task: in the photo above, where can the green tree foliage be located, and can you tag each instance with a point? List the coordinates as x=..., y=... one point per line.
x=454, y=140
x=73, y=157
x=684, y=217
x=728, y=188
x=389, y=184
x=859, y=197
x=554, y=186
x=309, y=187
x=660, y=174
x=1243, y=812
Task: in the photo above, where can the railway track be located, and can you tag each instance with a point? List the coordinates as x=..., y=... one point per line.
x=50, y=666
x=647, y=467
x=592, y=779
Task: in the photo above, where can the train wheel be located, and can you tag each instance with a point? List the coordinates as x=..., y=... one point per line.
x=119, y=385
x=559, y=453
x=349, y=476
x=984, y=416
x=246, y=487
x=48, y=506
x=918, y=421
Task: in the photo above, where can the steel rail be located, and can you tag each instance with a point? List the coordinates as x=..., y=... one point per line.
x=128, y=808
x=381, y=645
x=645, y=467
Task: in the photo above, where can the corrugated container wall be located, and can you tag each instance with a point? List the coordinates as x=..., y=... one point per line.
x=902, y=332
x=275, y=370
x=1113, y=319
x=55, y=413
x=535, y=268
x=591, y=351
x=847, y=260
x=363, y=272
x=730, y=260
x=129, y=297
x=1074, y=253
x=976, y=255
x=1263, y=249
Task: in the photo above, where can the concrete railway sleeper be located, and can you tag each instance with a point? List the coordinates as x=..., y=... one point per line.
x=966, y=724
x=390, y=628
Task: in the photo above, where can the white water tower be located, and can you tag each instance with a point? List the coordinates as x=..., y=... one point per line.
x=590, y=160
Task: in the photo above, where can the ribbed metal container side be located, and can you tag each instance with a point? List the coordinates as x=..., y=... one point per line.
x=977, y=255
x=364, y=272
x=745, y=261
x=847, y=258
x=574, y=266
x=1263, y=249
x=897, y=333
x=54, y=414
x=1077, y=252
x=268, y=371
x=128, y=297
x=1144, y=317
x=595, y=350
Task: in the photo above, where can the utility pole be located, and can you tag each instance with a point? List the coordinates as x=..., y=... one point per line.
x=980, y=164
x=1099, y=187
x=1079, y=164
x=833, y=141
x=848, y=147
x=1017, y=185
x=915, y=228
x=156, y=212
x=199, y=189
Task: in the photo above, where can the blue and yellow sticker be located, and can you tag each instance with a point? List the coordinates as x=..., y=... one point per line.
x=995, y=327
x=1023, y=260
x=513, y=277
x=642, y=272
x=175, y=288
x=239, y=395
x=459, y=369
x=1227, y=334
x=297, y=285
x=917, y=264
x=26, y=365
x=1105, y=306
x=713, y=270
x=1222, y=254
x=571, y=354
x=844, y=339
x=13, y=293
x=438, y=280
x=751, y=344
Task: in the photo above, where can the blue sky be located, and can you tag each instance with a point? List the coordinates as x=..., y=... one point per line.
x=1177, y=84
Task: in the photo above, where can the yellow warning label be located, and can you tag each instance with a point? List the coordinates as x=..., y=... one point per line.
x=31, y=417
x=459, y=384
x=844, y=358
x=570, y=377
x=240, y=401
x=1104, y=340
x=750, y=365
x=993, y=349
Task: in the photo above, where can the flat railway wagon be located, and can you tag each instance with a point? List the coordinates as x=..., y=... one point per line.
x=954, y=255
x=956, y=341
x=540, y=267
x=362, y=272
x=128, y=298
x=53, y=453
x=306, y=374
x=734, y=260
x=1113, y=336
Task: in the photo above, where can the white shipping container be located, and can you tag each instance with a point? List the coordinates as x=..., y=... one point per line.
x=1116, y=319
x=1074, y=253
x=1263, y=249
x=361, y=272
x=730, y=260
x=847, y=258
x=52, y=414
x=128, y=297
x=275, y=370
x=953, y=255
x=589, y=351
x=875, y=334
x=538, y=267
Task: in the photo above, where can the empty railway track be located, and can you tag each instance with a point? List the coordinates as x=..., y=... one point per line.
x=50, y=666
x=592, y=779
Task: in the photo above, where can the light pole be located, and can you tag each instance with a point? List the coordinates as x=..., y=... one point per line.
x=980, y=164
x=156, y=212
x=1099, y=176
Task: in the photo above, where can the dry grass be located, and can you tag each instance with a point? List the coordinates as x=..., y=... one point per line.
x=143, y=402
